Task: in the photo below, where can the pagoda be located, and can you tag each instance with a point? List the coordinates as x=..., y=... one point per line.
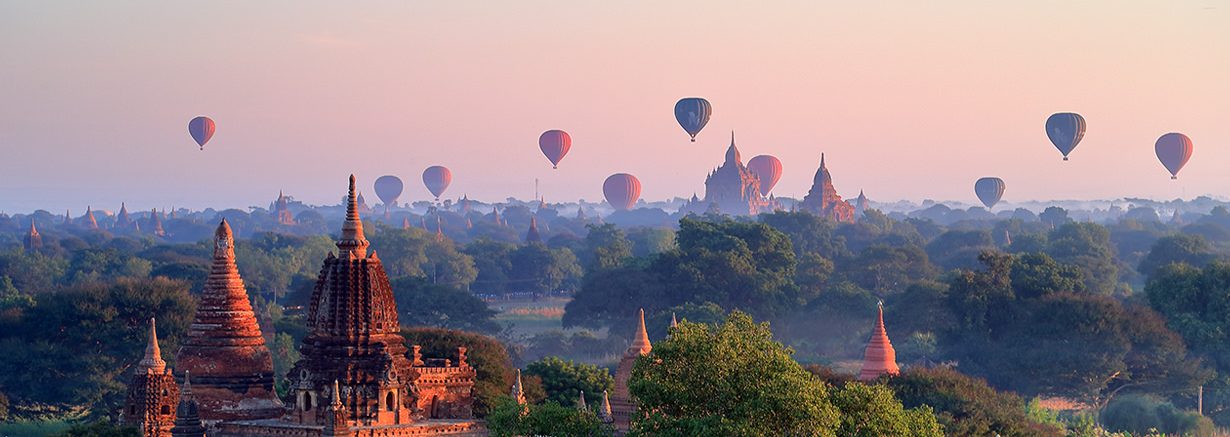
x=622, y=404
x=531, y=236
x=187, y=414
x=731, y=188
x=122, y=220
x=88, y=219
x=822, y=199
x=224, y=348
x=157, y=221
x=879, y=358
x=152, y=393
x=355, y=355
x=860, y=204
x=281, y=209
x=33, y=240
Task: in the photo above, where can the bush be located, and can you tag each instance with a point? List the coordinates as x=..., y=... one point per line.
x=1139, y=414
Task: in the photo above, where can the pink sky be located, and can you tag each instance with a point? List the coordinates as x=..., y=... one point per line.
x=909, y=100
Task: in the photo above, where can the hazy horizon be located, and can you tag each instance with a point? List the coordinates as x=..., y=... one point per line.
x=908, y=101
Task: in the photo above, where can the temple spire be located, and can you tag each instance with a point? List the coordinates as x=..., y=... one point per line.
x=732, y=153
x=152, y=362
x=517, y=393
x=532, y=235
x=640, y=340
x=604, y=411
x=674, y=322
x=352, y=229
x=439, y=230
x=581, y=402
x=879, y=358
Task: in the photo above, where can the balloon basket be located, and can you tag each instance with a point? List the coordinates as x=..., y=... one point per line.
x=1065, y=158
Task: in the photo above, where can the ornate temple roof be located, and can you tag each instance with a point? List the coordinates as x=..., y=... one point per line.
x=732, y=152
x=879, y=358
x=187, y=413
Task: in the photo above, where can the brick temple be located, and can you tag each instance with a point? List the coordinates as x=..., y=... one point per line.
x=356, y=376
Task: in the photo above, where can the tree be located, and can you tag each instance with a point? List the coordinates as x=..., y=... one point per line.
x=745, y=266
x=75, y=346
x=606, y=247
x=884, y=269
x=1036, y=274
x=959, y=249
x=874, y=411
x=537, y=268
x=1193, y=250
x=728, y=380
x=510, y=419
x=564, y=381
x=966, y=406
x=1054, y=216
x=808, y=233
x=493, y=260
x=1087, y=246
x=421, y=303
x=487, y=355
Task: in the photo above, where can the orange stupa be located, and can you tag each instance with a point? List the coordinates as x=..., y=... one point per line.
x=879, y=358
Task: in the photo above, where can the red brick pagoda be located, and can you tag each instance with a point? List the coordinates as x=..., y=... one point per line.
x=879, y=358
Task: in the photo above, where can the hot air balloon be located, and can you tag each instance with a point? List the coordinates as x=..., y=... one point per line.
x=555, y=144
x=1173, y=149
x=388, y=189
x=989, y=190
x=693, y=113
x=768, y=168
x=437, y=178
x=622, y=190
x=1065, y=130
x=201, y=129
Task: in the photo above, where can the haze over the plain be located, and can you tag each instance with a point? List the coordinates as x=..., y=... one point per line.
x=908, y=100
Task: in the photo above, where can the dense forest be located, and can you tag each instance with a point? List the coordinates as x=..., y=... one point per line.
x=1126, y=318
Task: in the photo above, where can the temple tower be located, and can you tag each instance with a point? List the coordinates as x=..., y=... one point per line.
x=225, y=349
x=622, y=404
x=187, y=414
x=354, y=353
x=152, y=393
x=281, y=209
x=122, y=220
x=822, y=199
x=157, y=223
x=731, y=188
x=88, y=220
x=879, y=358
x=33, y=240
x=532, y=236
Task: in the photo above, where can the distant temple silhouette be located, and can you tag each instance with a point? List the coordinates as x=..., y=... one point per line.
x=822, y=199
x=731, y=188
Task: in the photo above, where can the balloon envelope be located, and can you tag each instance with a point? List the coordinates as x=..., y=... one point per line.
x=201, y=129
x=692, y=114
x=388, y=189
x=621, y=190
x=555, y=144
x=1065, y=130
x=1173, y=149
x=768, y=168
x=437, y=178
x=989, y=190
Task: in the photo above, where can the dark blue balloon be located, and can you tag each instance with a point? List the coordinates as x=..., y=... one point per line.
x=693, y=113
x=989, y=190
x=1065, y=130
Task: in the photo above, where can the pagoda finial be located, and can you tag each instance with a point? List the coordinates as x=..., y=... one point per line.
x=352, y=229
x=674, y=322
x=186, y=390
x=732, y=153
x=224, y=242
x=336, y=403
x=640, y=340
x=821, y=159
x=581, y=402
x=152, y=362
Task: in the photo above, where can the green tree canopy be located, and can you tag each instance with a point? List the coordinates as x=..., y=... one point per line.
x=565, y=380
x=728, y=380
